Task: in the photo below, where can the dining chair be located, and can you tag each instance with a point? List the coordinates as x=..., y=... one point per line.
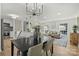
x=48, y=47
x=35, y=50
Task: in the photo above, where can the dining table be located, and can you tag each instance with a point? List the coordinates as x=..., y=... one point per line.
x=23, y=44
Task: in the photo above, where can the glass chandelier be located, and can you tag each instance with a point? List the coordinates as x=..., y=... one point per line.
x=34, y=9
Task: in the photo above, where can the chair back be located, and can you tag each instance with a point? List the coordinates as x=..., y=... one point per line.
x=35, y=50
x=49, y=44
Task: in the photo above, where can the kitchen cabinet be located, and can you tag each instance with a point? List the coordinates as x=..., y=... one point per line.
x=7, y=47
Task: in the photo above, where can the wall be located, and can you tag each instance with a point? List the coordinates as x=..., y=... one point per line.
x=17, y=27
x=0, y=34
x=0, y=27
x=78, y=23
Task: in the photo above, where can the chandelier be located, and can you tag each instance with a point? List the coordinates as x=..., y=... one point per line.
x=34, y=9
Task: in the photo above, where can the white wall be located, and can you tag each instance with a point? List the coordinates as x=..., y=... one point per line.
x=78, y=23
x=0, y=34
x=0, y=27
x=17, y=27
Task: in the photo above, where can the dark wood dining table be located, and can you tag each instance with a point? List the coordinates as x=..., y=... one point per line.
x=22, y=44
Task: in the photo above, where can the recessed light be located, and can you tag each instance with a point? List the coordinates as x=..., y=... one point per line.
x=14, y=16
x=58, y=13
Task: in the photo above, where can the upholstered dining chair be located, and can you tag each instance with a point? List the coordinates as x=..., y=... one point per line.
x=35, y=50
x=48, y=47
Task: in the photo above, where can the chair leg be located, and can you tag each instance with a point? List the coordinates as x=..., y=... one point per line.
x=46, y=53
x=52, y=50
x=18, y=52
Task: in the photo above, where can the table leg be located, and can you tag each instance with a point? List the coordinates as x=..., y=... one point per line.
x=52, y=50
x=46, y=53
x=24, y=53
x=18, y=52
x=12, y=48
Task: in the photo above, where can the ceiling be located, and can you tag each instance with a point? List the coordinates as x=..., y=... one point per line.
x=12, y=8
x=51, y=10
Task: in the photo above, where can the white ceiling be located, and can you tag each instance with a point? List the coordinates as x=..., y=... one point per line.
x=12, y=8
x=51, y=10
x=58, y=11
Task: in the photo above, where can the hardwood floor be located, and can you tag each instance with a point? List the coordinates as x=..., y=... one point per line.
x=3, y=53
x=68, y=51
x=58, y=51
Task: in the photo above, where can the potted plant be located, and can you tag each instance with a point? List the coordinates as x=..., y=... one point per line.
x=75, y=28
